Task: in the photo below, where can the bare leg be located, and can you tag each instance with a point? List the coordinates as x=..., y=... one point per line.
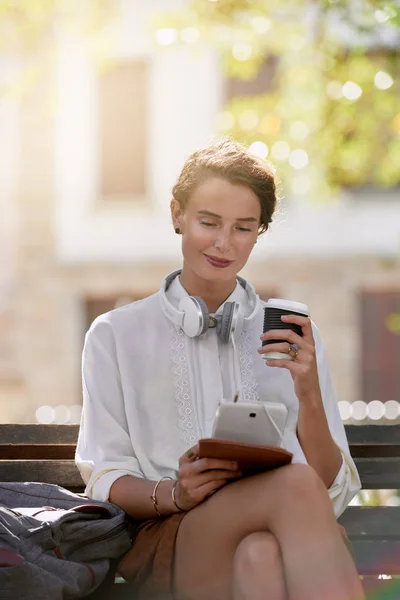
x=258, y=569
x=291, y=503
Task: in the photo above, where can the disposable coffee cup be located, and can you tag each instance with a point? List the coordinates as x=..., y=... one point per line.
x=273, y=311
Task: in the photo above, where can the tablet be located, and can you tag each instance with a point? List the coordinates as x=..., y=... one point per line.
x=251, y=422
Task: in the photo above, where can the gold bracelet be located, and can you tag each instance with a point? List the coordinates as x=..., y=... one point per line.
x=153, y=497
x=173, y=496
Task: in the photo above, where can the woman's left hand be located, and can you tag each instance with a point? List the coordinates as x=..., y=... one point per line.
x=303, y=368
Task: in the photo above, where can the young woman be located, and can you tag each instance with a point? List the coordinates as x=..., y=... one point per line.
x=152, y=383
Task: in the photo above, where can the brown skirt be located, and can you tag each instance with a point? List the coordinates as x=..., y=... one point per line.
x=149, y=564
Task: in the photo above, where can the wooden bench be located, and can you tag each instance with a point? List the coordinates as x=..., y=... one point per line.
x=46, y=452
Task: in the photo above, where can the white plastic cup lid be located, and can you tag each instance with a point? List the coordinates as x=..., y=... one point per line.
x=290, y=305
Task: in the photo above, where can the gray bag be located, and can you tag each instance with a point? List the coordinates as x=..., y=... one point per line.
x=54, y=544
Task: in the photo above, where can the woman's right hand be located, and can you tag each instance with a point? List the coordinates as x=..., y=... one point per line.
x=201, y=477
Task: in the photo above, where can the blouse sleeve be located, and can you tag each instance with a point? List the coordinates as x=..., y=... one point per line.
x=104, y=451
x=347, y=481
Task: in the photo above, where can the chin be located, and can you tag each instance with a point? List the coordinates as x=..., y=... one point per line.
x=214, y=274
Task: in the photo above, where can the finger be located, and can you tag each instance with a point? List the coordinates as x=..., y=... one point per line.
x=304, y=322
x=190, y=483
x=280, y=362
x=209, y=489
x=190, y=455
x=216, y=475
x=214, y=464
x=193, y=490
x=280, y=347
x=218, y=485
x=283, y=334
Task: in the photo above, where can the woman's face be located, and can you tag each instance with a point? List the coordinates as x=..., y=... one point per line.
x=219, y=227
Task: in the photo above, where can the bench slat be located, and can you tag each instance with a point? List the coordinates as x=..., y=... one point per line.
x=379, y=473
x=371, y=522
x=374, y=450
x=357, y=435
x=61, y=472
x=376, y=557
x=36, y=451
x=381, y=435
x=375, y=473
x=38, y=434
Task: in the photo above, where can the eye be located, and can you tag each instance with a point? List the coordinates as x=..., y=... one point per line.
x=207, y=223
x=244, y=229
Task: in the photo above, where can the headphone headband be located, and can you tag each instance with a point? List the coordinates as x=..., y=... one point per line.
x=193, y=316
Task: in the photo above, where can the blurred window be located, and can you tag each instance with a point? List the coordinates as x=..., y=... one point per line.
x=97, y=306
x=265, y=81
x=123, y=130
x=380, y=345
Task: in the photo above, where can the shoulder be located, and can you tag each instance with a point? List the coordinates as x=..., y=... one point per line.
x=115, y=322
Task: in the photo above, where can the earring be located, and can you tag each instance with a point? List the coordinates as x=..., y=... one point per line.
x=177, y=230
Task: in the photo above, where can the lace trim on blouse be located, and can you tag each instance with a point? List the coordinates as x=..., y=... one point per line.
x=247, y=375
x=187, y=416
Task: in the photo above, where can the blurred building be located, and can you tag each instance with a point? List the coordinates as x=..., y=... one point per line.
x=87, y=161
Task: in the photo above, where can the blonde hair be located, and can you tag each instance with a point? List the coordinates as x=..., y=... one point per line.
x=232, y=161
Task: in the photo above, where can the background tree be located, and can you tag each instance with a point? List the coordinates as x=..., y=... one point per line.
x=313, y=85
x=326, y=105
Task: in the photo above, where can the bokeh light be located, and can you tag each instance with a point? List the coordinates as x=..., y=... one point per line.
x=166, y=37
x=61, y=414
x=392, y=409
x=345, y=409
x=261, y=24
x=298, y=159
x=383, y=81
x=259, y=149
x=375, y=410
x=280, y=150
x=351, y=90
x=381, y=16
x=359, y=410
x=45, y=414
x=242, y=51
x=248, y=120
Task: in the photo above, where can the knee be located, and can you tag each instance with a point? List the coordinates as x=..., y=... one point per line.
x=255, y=553
x=299, y=484
x=301, y=480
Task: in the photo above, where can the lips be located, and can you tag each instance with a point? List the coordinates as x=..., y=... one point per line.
x=218, y=262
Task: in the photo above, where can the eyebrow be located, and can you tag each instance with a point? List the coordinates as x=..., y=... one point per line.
x=211, y=214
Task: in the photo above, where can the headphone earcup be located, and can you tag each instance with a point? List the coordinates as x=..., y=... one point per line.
x=196, y=316
x=224, y=323
x=204, y=310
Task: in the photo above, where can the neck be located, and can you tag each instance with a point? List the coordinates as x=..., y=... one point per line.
x=214, y=293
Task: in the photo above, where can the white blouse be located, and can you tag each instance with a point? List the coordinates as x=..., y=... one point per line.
x=150, y=392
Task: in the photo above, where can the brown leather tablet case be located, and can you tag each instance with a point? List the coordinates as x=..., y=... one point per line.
x=251, y=458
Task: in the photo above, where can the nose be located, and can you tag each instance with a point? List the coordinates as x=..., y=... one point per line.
x=222, y=241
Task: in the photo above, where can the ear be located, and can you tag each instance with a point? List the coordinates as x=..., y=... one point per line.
x=176, y=214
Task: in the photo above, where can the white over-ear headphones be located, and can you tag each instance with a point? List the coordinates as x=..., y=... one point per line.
x=194, y=317
x=197, y=319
